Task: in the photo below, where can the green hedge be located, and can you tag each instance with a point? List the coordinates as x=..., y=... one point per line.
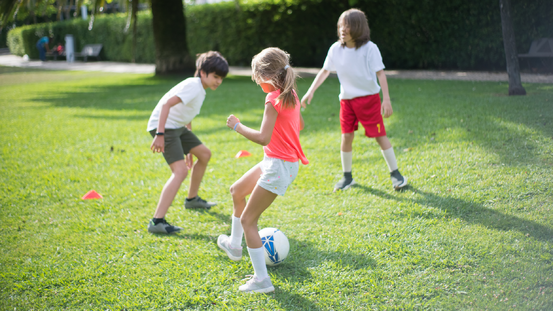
x=107, y=30
x=453, y=34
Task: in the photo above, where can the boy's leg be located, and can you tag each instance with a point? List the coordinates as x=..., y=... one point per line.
x=398, y=181
x=259, y=201
x=239, y=190
x=172, y=186
x=170, y=190
x=202, y=154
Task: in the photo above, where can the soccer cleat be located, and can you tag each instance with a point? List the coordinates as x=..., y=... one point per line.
x=162, y=227
x=254, y=285
x=233, y=253
x=398, y=181
x=198, y=202
x=344, y=183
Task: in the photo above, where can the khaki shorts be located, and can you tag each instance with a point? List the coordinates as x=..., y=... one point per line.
x=178, y=143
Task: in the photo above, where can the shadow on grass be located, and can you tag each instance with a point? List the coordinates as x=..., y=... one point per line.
x=470, y=212
x=432, y=112
x=304, y=256
x=501, y=125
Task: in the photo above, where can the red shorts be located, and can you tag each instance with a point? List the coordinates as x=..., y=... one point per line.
x=365, y=109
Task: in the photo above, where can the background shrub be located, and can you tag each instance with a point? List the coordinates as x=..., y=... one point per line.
x=107, y=30
x=429, y=34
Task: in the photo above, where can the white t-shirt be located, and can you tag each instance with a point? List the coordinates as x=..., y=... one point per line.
x=192, y=95
x=356, y=69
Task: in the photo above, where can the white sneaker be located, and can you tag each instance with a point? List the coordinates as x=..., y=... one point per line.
x=254, y=285
x=223, y=242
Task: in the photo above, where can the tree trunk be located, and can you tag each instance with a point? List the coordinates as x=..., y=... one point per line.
x=169, y=25
x=134, y=7
x=515, y=85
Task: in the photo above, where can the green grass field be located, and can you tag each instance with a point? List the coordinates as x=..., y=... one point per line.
x=474, y=230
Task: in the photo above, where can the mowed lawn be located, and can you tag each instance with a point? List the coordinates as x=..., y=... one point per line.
x=474, y=230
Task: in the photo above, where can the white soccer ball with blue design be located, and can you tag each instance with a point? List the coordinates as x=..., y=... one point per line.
x=275, y=244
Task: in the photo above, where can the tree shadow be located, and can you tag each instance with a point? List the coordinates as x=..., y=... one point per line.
x=421, y=119
x=470, y=212
x=303, y=256
x=432, y=112
x=188, y=236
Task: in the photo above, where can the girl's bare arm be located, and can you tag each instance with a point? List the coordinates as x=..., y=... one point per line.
x=263, y=136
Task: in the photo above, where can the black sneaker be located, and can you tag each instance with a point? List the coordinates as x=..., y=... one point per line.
x=398, y=181
x=162, y=227
x=198, y=202
x=344, y=183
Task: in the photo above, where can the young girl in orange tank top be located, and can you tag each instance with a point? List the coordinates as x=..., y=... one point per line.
x=279, y=136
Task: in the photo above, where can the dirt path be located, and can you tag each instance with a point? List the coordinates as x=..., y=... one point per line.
x=16, y=61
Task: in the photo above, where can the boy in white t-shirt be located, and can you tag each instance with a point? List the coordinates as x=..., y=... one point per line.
x=171, y=127
x=358, y=63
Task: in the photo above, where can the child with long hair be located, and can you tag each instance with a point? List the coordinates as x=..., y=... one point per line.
x=279, y=136
x=358, y=63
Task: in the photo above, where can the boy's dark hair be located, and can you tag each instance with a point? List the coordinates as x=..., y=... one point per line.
x=209, y=62
x=358, y=26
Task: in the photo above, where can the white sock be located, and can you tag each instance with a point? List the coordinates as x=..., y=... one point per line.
x=236, y=232
x=347, y=159
x=390, y=158
x=257, y=255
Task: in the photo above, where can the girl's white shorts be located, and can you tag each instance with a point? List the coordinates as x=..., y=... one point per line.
x=277, y=175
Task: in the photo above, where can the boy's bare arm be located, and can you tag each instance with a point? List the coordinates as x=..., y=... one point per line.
x=164, y=113
x=319, y=79
x=158, y=145
x=386, y=103
x=263, y=136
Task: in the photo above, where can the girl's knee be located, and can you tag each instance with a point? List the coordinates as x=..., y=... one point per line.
x=235, y=191
x=246, y=221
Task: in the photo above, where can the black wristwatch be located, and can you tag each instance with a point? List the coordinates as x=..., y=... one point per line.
x=160, y=134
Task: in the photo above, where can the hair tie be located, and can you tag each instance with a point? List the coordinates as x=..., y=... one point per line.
x=286, y=67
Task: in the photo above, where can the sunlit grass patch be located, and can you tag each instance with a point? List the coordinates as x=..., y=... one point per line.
x=473, y=230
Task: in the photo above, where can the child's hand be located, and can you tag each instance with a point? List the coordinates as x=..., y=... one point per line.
x=158, y=145
x=189, y=161
x=386, y=108
x=307, y=97
x=231, y=121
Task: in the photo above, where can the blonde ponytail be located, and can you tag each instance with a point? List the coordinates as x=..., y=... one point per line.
x=272, y=66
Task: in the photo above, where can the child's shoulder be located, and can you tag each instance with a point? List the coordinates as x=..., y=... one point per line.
x=191, y=80
x=190, y=83
x=371, y=45
x=272, y=96
x=334, y=46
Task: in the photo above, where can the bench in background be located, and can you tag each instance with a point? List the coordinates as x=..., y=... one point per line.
x=541, y=50
x=90, y=50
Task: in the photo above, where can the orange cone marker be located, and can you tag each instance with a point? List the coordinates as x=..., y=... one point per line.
x=92, y=195
x=242, y=153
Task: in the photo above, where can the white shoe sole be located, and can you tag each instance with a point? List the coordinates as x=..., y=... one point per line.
x=346, y=187
x=402, y=184
x=262, y=290
x=233, y=258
